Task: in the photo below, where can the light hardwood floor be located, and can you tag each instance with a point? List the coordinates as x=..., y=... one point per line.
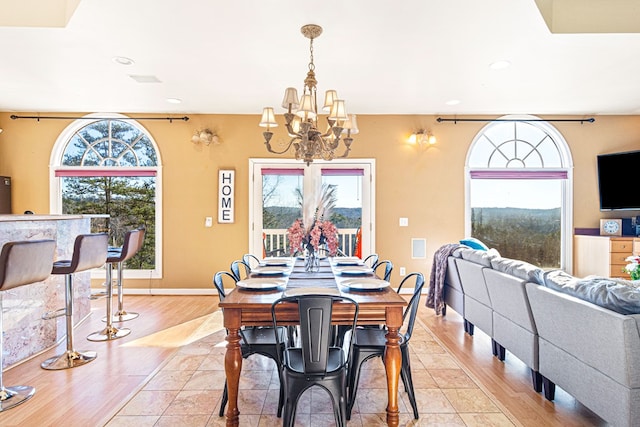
x=91, y=395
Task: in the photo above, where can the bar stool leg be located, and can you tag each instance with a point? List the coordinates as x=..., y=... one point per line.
x=110, y=332
x=14, y=395
x=121, y=315
x=70, y=358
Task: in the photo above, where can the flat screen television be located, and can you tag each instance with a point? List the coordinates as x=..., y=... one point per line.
x=618, y=177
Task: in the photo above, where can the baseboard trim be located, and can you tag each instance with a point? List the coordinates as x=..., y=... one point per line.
x=168, y=291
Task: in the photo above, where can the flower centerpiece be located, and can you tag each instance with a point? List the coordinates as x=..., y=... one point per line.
x=314, y=232
x=633, y=268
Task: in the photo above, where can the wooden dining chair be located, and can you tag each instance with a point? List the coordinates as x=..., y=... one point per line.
x=314, y=361
x=254, y=340
x=371, y=342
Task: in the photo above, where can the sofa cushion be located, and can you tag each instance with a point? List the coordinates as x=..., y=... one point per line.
x=474, y=243
x=520, y=269
x=621, y=296
x=478, y=256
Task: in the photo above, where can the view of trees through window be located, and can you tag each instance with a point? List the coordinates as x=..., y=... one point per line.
x=531, y=235
x=283, y=201
x=129, y=203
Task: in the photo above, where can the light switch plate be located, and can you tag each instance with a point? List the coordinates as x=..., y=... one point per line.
x=208, y=221
x=404, y=222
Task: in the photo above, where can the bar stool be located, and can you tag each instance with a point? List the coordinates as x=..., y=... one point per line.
x=125, y=253
x=89, y=251
x=21, y=263
x=117, y=256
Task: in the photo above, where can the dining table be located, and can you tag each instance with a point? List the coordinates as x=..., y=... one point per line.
x=251, y=306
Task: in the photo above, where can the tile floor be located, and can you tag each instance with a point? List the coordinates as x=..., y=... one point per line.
x=186, y=391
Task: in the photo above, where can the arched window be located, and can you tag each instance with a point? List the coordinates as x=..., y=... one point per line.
x=111, y=167
x=519, y=191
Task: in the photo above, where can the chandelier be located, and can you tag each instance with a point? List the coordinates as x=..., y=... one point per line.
x=301, y=118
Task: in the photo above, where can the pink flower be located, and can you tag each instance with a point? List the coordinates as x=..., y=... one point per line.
x=320, y=233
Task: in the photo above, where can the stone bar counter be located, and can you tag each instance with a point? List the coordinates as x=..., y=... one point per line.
x=25, y=332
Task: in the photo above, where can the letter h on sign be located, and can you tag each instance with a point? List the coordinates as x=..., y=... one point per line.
x=226, y=182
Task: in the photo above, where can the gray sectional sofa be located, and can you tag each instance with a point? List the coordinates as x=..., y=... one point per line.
x=580, y=334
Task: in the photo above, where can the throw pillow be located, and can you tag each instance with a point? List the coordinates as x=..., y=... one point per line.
x=474, y=243
x=623, y=298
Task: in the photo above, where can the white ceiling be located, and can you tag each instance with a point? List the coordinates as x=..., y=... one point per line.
x=383, y=57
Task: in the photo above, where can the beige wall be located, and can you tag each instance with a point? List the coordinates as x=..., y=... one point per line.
x=425, y=186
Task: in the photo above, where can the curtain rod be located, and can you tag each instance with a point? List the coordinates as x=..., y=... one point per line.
x=38, y=118
x=589, y=120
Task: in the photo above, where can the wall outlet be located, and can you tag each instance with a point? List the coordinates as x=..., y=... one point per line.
x=404, y=222
x=208, y=221
x=403, y=271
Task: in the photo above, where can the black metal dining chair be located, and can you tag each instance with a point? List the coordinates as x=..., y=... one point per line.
x=251, y=260
x=314, y=361
x=254, y=340
x=370, y=342
x=388, y=268
x=371, y=260
x=240, y=269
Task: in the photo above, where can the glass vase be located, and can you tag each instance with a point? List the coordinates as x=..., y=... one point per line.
x=311, y=263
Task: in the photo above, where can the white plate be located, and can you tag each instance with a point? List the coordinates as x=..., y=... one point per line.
x=340, y=261
x=282, y=262
x=365, y=284
x=260, y=284
x=271, y=271
x=353, y=269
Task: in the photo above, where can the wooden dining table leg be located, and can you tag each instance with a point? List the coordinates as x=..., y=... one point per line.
x=393, y=363
x=232, y=364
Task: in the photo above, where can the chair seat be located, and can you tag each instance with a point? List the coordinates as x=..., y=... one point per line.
x=294, y=360
x=262, y=336
x=62, y=266
x=373, y=338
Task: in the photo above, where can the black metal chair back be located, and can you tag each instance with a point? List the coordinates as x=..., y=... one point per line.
x=388, y=268
x=236, y=267
x=314, y=361
x=371, y=260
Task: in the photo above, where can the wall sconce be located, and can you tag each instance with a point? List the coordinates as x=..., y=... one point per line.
x=422, y=139
x=205, y=136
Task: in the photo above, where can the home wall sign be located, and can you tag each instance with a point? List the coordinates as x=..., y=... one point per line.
x=226, y=193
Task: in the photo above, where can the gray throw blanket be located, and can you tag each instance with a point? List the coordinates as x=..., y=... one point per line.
x=435, y=298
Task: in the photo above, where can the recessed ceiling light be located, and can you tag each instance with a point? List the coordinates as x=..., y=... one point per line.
x=500, y=65
x=174, y=100
x=123, y=60
x=145, y=78
x=453, y=102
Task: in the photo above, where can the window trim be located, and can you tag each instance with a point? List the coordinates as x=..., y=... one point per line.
x=566, y=240
x=57, y=170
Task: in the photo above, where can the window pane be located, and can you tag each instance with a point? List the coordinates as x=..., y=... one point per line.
x=347, y=214
x=520, y=218
x=281, y=206
x=130, y=202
